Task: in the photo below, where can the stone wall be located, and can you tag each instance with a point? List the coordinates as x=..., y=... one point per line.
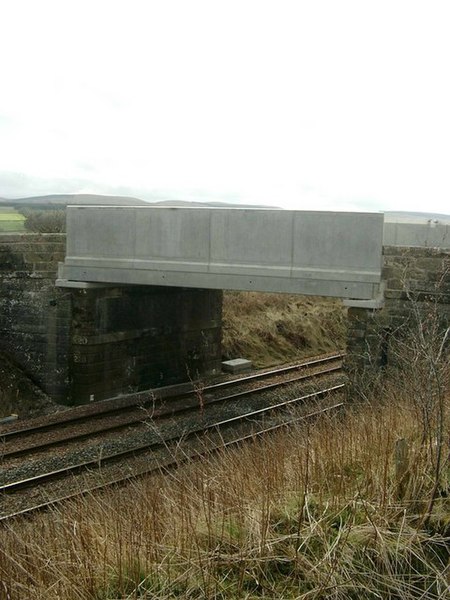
x=79, y=344
x=34, y=315
x=417, y=295
x=126, y=339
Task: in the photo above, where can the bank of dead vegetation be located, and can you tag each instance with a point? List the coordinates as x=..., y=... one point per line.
x=274, y=328
x=19, y=394
x=313, y=512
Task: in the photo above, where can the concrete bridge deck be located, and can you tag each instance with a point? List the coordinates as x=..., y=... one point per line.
x=304, y=252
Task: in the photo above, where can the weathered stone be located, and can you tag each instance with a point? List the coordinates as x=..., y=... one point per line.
x=417, y=289
x=107, y=342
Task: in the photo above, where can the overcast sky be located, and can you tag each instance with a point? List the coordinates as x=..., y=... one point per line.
x=302, y=104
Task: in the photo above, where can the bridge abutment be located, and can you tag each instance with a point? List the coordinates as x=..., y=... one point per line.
x=131, y=338
x=35, y=316
x=416, y=302
x=100, y=341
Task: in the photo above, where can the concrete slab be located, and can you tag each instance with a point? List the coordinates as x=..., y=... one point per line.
x=417, y=231
x=304, y=252
x=236, y=365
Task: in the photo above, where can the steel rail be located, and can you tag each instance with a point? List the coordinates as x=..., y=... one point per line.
x=145, y=447
x=166, y=465
x=170, y=412
x=103, y=407
x=279, y=371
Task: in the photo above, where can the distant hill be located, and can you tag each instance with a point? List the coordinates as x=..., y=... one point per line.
x=62, y=200
x=213, y=204
x=415, y=216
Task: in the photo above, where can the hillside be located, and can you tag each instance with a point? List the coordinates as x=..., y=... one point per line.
x=275, y=328
x=57, y=201
x=62, y=200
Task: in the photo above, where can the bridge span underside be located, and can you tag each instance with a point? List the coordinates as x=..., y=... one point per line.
x=304, y=252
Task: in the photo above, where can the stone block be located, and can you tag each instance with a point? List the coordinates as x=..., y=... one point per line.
x=236, y=365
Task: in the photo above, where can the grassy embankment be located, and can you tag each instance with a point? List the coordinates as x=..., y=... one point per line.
x=352, y=507
x=305, y=514
x=274, y=328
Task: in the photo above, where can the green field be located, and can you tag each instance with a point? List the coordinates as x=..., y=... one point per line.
x=10, y=220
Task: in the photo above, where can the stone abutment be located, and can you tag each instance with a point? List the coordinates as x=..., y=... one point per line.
x=416, y=302
x=101, y=341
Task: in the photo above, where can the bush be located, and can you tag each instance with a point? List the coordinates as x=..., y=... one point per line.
x=45, y=221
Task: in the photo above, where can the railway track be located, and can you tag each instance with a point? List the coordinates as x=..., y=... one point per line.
x=31, y=480
x=116, y=414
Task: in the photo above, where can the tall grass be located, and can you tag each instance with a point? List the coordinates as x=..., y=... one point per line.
x=310, y=512
x=269, y=328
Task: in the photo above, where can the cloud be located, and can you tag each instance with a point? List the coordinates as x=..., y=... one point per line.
x=318, y=104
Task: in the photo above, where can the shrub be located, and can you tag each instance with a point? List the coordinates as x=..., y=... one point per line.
x=45, y=221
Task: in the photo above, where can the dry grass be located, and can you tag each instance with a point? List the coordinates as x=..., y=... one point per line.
x=269, y=328
x=307, y=513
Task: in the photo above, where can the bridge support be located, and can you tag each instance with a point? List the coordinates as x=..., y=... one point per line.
x=131, y=338
x=95, y=342
x=416, y=301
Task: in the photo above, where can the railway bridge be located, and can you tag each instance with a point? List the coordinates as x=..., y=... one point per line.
x=137, y=301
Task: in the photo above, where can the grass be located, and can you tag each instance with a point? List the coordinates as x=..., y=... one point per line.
x=32, y=220
x=11, y=221
x=312, y=512
x=274, y=328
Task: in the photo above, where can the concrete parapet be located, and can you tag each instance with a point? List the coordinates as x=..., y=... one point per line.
x=304, y=252
x=415, y=231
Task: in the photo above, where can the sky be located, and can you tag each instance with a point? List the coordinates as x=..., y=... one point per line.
x=327, y=105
